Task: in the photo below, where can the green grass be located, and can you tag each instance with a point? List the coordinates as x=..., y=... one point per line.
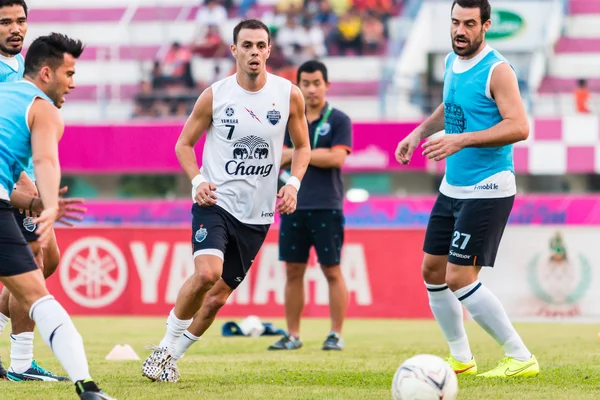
x=241, y=368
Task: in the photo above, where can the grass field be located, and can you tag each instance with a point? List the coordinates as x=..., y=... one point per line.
x=241, y=368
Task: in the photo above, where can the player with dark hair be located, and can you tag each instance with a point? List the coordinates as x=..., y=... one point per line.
x=31, y=127
x=13, y=29
x=482, y=115
x=245, y=117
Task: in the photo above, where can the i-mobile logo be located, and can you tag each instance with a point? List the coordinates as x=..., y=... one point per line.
x=487, y=186
x=267, y=214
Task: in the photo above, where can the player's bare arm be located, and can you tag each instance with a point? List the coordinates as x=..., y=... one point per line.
x=433, y=124
x=194, y=128
x=328, y=157
x=47, y=127
x=298, y=128
x=286, y=157
x=513, y=128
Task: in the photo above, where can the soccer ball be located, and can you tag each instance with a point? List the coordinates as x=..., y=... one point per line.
x=424, y=377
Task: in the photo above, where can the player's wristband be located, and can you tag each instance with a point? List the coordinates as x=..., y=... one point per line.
x=197, y=181
x=295, y=182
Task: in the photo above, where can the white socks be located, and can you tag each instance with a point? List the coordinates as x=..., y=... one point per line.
x=3, y=321
x=21, y=352
x=175, y=328
x=185, y=341
x=487, y=311
x=448, y=313
x=60, y=335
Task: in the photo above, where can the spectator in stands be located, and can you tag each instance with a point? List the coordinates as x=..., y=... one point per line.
x=176, y=67
x=211, y=45
x=582, y=96
x=372, y=32
x=212, y=13
x=325, y=16
x=349, y=33
x=315, y=45
x=289, y=6
x=291, y=38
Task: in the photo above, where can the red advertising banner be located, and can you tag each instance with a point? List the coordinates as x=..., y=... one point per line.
x=133, y=271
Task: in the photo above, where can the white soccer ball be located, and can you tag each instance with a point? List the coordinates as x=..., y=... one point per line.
x=424, y=377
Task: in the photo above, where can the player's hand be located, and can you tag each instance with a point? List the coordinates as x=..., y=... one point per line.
x=28, y=188
x=204, y=194
x=442, y=147
x=44, y=224
x=406, y=147
x=68, y=210
x=289, y=197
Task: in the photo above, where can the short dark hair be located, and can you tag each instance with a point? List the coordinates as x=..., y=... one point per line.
x=8, y=3
x=312, y=66
x=250, y=24
x=50, y=51
x=485, y=9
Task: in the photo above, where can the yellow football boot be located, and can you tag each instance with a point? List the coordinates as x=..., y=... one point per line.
x=510, y=367
x=461, y=368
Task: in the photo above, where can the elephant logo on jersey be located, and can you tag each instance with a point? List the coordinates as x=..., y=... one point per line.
x=28, y=224
x=273, y=117
x=246, y=149
x=200, y=234
x=250, y=147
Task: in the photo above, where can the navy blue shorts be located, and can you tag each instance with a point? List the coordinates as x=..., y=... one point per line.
x=216, y=232
x=15, y=255
x=323, y=229
x=468, y=231
x=26, y=225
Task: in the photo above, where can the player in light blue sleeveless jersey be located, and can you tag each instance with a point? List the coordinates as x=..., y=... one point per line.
x=31, y=127
x=482, y=115
x=11, y=68
x=13, y=29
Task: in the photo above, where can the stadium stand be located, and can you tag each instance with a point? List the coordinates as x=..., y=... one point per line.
x=135, y=49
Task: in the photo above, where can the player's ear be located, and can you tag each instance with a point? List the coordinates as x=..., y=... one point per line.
x=233, y=49
x=269, y=52
x=46, y=74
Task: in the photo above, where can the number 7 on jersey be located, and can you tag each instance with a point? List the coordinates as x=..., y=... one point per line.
x=231, y=129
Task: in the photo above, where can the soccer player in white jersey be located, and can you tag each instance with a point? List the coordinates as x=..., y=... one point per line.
x=482, y=115
x=235, y=193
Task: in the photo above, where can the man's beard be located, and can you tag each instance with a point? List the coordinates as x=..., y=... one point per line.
x=10, y=50
x=470, y=48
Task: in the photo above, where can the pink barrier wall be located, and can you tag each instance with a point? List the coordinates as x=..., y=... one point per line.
x=385, y=212
x=150, y=148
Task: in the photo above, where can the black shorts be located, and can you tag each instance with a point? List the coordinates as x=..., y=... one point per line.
x=26, y=225
x=15, y=255
x=323, y=229
x=467, y=230
x=216, y=232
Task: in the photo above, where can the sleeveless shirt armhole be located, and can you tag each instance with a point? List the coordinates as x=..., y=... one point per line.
x=488, y=91
x=29, y=109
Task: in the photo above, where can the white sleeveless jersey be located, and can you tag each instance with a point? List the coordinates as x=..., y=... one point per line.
x=242, y=153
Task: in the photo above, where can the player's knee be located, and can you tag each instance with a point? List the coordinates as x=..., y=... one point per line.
x=459, y=277
x=333, y=273
x=295, y=272
x=433, y=274
x=204, y=276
